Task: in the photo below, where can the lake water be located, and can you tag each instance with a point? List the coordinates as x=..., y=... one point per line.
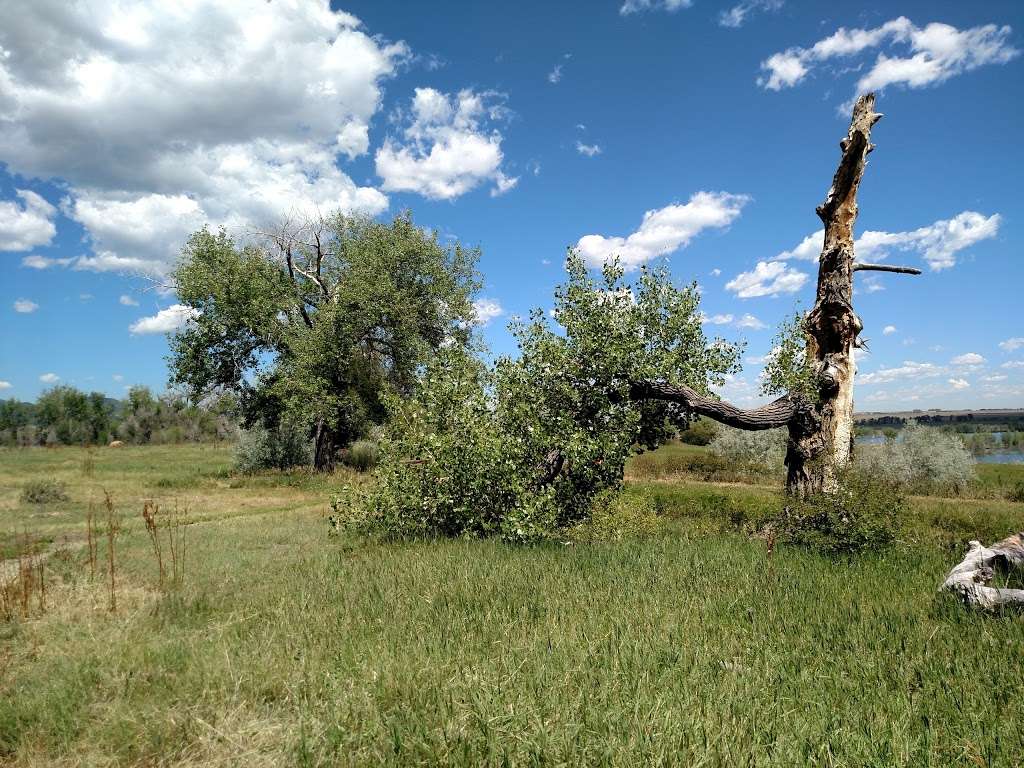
x=1000, y=457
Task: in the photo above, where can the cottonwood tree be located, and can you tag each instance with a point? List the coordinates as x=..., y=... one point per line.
x=818, y=413
x=314, y=323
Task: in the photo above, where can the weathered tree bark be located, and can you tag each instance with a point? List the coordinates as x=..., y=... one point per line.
x=820, y=433
x=832, y=325
x=969, y=580
x=325, y=447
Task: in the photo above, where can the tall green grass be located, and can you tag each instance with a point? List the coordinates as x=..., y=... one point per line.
x=694, y=646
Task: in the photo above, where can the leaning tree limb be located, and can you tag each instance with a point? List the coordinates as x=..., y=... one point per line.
x=969, y=580
x=776, y=414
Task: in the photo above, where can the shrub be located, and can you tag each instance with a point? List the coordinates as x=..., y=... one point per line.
x=863, y=513
x=923, y=459
x=1017, y=492
x=615, y=517
x=43, y=492
x=445, y=468
x=282, y=447
x=756, y=452
x=362, y=455
x=700, y=432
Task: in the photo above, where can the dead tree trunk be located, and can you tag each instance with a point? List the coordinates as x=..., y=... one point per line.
x=969, y=580
x=820, y=430
x=832, y=326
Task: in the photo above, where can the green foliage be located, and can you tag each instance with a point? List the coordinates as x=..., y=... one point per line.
x=283, y=446
x=788, y=369
x=170, y=418
x=43, y=492
x=700, y=432
x=922, y=459
x=322, y=323
x=863, y=513
x=466, y=455
x=615, y=517
x=1017, y=492
x=67, y=416
x=362, y=455
x=756, y=452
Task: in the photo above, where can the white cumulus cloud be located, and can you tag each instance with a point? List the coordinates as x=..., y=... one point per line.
x=768, y=278
x=664, y=230
x=164, y=116
x=128, y=301
x=959, y=383
x=49, y=378
x=449, y=146
x=5, y=385
x=889, y=329
x=35, y=261
x=909, y=370
x=1012, y=345
x=25, y=306
x=487, y=310
x=934, y=54
x=968, y=358
x=29, y=223
x=938, y=243
x=751, y=322
x=165, y=321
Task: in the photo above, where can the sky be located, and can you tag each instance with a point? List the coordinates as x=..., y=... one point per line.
x=694, y=132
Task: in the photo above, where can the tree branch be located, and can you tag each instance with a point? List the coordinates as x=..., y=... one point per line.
x=778, y=413
x=860, y=266
x=298, y=292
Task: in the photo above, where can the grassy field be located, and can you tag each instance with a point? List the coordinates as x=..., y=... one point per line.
x=286, y=646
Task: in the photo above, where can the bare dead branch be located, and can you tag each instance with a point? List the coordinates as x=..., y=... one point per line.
x=860, y=266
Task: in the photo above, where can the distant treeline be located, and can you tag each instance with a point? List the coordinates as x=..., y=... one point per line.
x=1000, y=421
x=64, y=415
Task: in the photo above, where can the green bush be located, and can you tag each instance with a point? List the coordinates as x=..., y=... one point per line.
x=362, y=455
x=700, y=432
x=282, y=447
x=863, y=513
x=525, y=447
x=1017, y=493
x=615, y=517
x=43, y=492
x=922, y=459
x=759, y=452
x=445, y=468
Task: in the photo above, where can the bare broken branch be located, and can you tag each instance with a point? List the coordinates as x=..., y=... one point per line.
x=860, y=266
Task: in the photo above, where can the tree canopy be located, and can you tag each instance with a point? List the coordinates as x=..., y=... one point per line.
x=529, y=445
x=314, y=323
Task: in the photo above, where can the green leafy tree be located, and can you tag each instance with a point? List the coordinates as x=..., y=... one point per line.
x=529, y=446
x=317, y=323
x=69, y=416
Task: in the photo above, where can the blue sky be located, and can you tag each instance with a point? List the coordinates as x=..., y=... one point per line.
x=703, y=133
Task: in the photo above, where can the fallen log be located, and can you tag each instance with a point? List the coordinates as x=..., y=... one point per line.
x=969, y=580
